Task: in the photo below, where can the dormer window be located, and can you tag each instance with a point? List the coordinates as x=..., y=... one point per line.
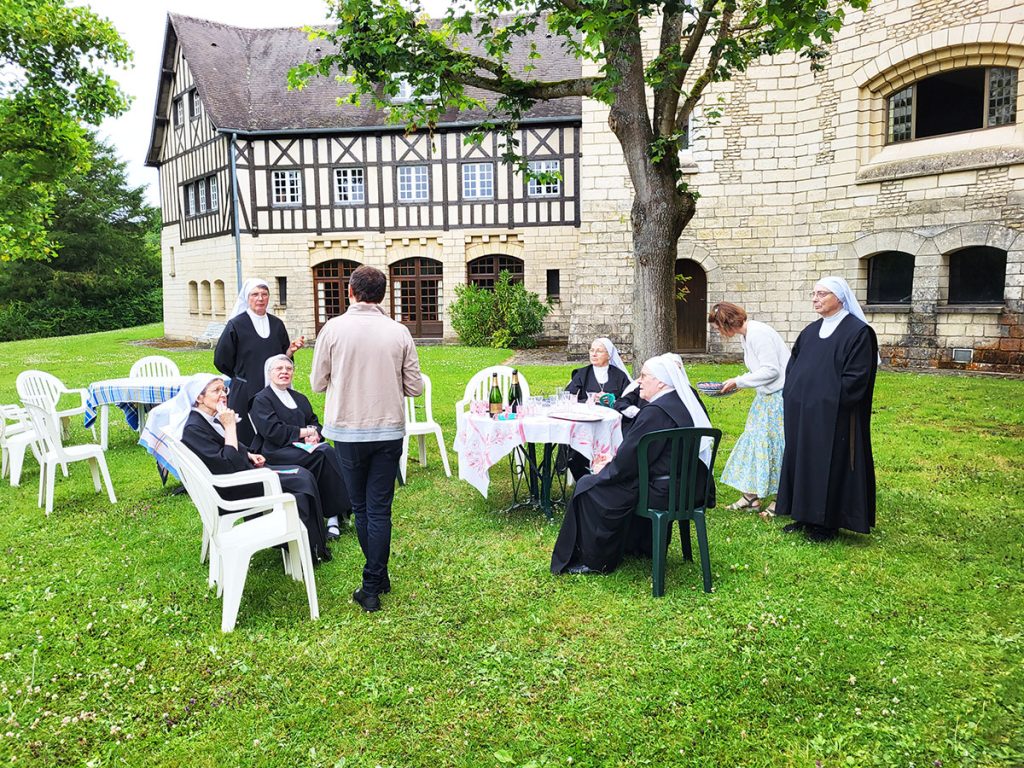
x=179, y=112
x=194, y=105
x=954, y=101
x=407, y=92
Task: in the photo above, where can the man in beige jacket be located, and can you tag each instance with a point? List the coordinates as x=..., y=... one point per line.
x=367, y=364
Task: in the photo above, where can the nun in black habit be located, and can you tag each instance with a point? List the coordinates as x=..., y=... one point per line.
x=608, y=378
x=250, y=336
x=209, y=430
x=828, y=472
x=599, y=525
x=284, y=417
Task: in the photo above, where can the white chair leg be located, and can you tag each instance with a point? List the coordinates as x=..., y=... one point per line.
x=3, y=462
x=422, y=440
x=235, y=568
x=51, y=479
x=404, y=460
x=204, y=549
x=64, y=469
x=306, y=560
x=42, y=484
x=17, y=459
x=95, y=470
x=444, y=453
x=293, y=565
x=106, y=479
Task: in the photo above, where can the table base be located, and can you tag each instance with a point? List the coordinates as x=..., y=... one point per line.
x=533, y=480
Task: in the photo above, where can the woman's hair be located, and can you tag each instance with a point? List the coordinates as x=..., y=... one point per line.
x=727, y=316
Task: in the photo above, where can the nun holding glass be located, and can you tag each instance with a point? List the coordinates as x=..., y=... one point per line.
x=599, y=525
x=202, y=421
x=289, y=432
x=250, y=336
x=606, y=378
x=828, y=472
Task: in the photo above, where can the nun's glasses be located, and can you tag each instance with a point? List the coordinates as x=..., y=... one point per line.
x=820, y=294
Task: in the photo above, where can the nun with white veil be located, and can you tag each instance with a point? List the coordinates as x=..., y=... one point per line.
x=828, y=472
x=200, y=418
x=250, y=336
x=599, y=525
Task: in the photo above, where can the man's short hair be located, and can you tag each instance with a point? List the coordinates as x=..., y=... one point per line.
x=368, y=284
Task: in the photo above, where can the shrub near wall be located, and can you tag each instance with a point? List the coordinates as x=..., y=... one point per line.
x=508, y=317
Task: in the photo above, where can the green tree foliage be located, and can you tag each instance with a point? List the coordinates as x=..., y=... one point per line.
x=379, y=43
x=507, y=317
x=105, y=272
x=51, y=84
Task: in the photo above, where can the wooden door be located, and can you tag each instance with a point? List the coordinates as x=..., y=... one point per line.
x=416, y=293
x=330, y=289
x=692, y=313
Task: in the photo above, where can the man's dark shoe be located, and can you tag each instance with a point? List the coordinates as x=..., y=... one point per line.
x=369, y=603
x=580, y=569
x=819, y=533
x=793, y=527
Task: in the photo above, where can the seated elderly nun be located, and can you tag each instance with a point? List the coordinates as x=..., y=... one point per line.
x=599, y=525
x=205, y=424
x=288, y=432
x=607, y=378
x=629, y=403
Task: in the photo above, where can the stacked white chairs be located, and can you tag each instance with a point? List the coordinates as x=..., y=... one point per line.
x=51, y=451
x=231, y=545
x=44, y=388
x=152, y=367
x=479, y=387
x=420, y=428
x=16, y=436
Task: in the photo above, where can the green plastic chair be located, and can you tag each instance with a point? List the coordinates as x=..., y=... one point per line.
x=684, y=444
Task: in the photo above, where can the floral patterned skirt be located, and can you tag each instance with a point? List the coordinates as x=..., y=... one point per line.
x=755, y=463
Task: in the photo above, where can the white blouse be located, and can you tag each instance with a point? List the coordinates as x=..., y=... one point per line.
x=766, y=356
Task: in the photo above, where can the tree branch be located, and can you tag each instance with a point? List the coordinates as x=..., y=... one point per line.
x=707, y=76
x=665, y=121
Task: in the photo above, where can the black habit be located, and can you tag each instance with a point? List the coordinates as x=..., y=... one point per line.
x=599, y=525
x=222, y=459
x=278, y=427
x=828, y=473
x=241, y=353
x=584, y=381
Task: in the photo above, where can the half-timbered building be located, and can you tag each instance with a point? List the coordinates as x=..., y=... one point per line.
x=257, y=180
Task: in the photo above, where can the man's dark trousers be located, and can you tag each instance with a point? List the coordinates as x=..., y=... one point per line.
x=370, y=470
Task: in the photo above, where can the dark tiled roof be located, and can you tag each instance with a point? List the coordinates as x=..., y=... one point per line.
x=242, y=75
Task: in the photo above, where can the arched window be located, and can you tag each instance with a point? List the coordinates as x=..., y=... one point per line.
x=205, y=300
x=977, y=275
x=953, y=101
x=890, y=278
x=416, y=296
x=330, y=287
x=218, y=297
x=193, y=297
x=485, y=271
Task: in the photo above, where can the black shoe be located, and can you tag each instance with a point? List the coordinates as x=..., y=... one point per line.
x=369, y=603
x=581, y=569
x=793, y=527
x=385, y=587
x=818, y=533
x=323, y=557
x=333, y=532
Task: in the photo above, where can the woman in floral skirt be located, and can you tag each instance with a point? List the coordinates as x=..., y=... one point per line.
x=755, y=463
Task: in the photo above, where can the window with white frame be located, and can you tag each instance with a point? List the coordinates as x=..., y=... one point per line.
x=179, y=112
x=194, y=105
x=287, y=187
x=552, y=188
x=407, y=92
x=953, y=101
x=201, y=196
x=211, y=182
x=349, y=185
x=413, y=183
x=190, y=200
x=477, y=181
x=201, y=190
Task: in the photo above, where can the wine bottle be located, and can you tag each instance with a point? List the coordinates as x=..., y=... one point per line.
x=495, y=396
x=515, y=393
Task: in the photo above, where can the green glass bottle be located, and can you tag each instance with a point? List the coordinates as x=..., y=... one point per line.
x=515, y=393
x=495, y=396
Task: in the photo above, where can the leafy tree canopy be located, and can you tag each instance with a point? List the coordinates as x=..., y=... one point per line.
x=105, y=270
x=51, y=84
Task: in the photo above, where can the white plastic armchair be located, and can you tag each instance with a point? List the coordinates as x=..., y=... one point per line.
x=51, y=451
x=16, y=436
x=44, y=388
x=420, y=428
x=233, y=545
x=479, y=387
x=154, y=366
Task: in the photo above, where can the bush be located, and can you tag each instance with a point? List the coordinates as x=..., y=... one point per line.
x=509, y=317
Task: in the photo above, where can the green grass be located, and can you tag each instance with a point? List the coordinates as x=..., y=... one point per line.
x=900, y=648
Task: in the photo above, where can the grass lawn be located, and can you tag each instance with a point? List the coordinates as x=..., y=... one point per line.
x=902, y=648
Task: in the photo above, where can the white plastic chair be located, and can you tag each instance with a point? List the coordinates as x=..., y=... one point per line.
x=16, y=435
x=479, y=387
x=232, y=546
x=422, y=428
x=44, y=388
x=152, y=367
x=51, y=452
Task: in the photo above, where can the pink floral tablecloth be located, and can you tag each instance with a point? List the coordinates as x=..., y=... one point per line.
x=481, y=442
